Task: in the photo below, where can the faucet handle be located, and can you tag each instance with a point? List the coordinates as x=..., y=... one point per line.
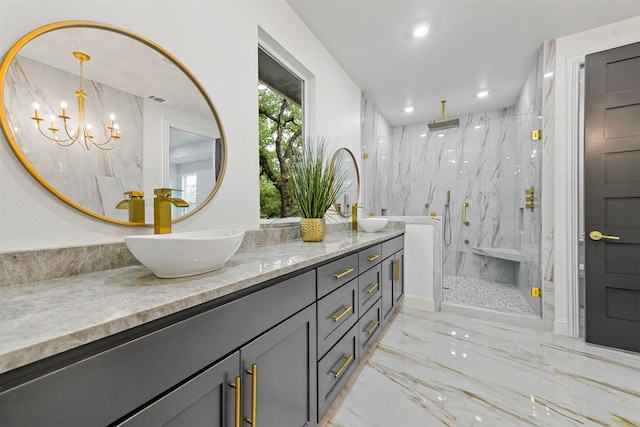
x=164, y=192
x=134, y=194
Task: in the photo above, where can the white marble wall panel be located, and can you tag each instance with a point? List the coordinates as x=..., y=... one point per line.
x=376, y=167
x=74, y=170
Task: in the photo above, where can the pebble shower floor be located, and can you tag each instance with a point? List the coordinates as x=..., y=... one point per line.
x=498, y=296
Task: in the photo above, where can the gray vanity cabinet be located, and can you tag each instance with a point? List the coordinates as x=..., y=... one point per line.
x=208, y=399
x=279, y=366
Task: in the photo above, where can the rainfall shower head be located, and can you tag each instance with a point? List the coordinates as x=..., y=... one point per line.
x=444, y=124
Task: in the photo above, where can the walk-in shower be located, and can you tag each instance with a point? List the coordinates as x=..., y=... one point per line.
x=477, y=178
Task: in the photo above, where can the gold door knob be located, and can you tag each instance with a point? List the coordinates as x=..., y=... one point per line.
x=596, y=235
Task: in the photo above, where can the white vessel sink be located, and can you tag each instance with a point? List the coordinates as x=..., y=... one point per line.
x=185, y=254
x=372, y=224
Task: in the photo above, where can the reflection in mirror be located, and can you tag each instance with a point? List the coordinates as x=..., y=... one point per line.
x=347, y=160
x=158, y=104
x=194, y=163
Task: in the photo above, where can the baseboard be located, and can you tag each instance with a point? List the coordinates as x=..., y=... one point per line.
x=561, y=327
x=420, y=303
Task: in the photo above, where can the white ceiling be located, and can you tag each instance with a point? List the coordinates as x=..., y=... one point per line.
x=472, y=45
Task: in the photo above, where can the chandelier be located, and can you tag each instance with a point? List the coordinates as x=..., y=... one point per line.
x=83, y=132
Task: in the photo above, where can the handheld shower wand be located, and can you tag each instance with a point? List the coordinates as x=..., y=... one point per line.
x=447, y=221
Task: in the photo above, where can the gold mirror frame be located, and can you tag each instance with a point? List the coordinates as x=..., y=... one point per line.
x=336, y=206
x=9, y=135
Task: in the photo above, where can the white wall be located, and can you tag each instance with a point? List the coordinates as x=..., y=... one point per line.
x=217, y=41
x=571, y=50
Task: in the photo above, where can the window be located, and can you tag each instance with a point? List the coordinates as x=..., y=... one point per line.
x=280, y=119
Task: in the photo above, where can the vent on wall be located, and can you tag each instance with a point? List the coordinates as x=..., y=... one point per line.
x=156, y=98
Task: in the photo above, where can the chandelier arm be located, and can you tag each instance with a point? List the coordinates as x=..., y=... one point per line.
x=57, y=141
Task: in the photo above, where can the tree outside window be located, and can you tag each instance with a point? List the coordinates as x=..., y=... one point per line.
x=280, y=134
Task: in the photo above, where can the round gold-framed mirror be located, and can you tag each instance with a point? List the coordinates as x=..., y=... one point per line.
x=351, y=194
x=166, y=132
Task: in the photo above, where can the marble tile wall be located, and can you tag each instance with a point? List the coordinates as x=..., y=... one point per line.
x=376, y=134
x=92, y=178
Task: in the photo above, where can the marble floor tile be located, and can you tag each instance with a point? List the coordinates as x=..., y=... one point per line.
x=434, y=368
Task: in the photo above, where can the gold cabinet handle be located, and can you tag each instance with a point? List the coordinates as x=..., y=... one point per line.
x=344, y=273
x=371, y=288
x=373, y=327
x=374, y=257
x=345, y=310
x=254, y=395
x=344, y=366
x=596, y=235
x=397, y=268
x=464, y=213
x=236, y=385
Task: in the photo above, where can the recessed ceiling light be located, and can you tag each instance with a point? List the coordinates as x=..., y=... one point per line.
x=441, y=135
x=483, y=94
x=408, y=109
x=547, y=75
x=420, y=30
x=477, y=127
x=422, y=135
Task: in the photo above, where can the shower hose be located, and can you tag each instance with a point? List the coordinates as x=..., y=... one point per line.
x=446, y=232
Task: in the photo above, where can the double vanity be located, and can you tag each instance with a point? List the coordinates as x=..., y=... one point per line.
x=268, y=340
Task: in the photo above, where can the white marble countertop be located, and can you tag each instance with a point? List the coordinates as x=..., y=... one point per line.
x=41, y=319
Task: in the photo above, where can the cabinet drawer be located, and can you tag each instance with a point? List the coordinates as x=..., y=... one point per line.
x=369, y=257
x=336, y=273
x=369, y=287
x=392, y=246
x=337, y=312
x=369, y=327
x=335, y=369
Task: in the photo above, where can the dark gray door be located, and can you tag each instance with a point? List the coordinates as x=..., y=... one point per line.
x=206, y=400
x=612, y=197
x=279, y=385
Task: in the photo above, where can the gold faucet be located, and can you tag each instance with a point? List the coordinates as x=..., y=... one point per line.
x=134, y=202
x=162, y=209
x=354, y=216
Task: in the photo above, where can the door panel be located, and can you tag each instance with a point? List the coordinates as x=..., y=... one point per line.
x=206, y=400
x=612, y=197
x=284, y=363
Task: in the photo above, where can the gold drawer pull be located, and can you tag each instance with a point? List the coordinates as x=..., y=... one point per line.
x=374, y=257
x=397, y=268
x=344, y=366
x=344, y=273
x=345, y=310
x=371, y=288
x=373, y=327
x=254, y=395
x=236, y=385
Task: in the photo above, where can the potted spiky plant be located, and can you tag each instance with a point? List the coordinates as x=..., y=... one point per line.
x=315, y=187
